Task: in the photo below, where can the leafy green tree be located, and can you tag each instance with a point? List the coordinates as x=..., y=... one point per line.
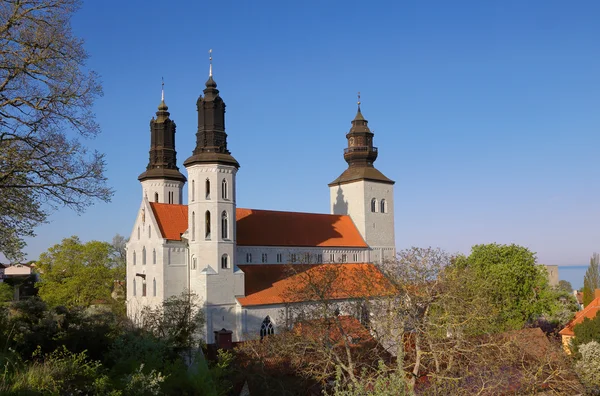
x=565, y=286
x=586, y=331
x=591, y=280
x=515, y=285
x=75, y=274
x=6, y=292
x=589, y=366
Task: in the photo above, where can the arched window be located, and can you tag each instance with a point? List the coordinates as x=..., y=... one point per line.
x=153, y=256
x=154, y=287
x=383, y=209
x=149, y=231
x=224, y=193
x=194, y=263
x=207, y=189
x=224, y=226
x=144, y=287
x=138, y=232
x=193, y=190
x=373, y=205
x=134, y=289
x=266, y=328
x=144, y=256
x=207, y=224
x=193, y=226
x=155, y=197
x=134, y=258
x=224, y=261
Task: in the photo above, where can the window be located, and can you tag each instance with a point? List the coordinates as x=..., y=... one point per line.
x=138, y=232
x=134, y=258
x=279, y=257
x=143, y=287
x=306, y=258
x=355, y=257
x=171, y=195
x=264, y=257
x=224, y=192
x=155, y=197
x=149, y=231
x=169, y=256
x=224, y=226
x=143, y=256
x=319, y=258
x=193, y=190
x=344, y=258
x=194, y=263
x=207, y=188
x=153, y=256
x=193, y=226
x=134, y=291
x=224, y=261
x=266, y=328
x=383, y=208
x=248, y=257
x=373, y=205
x=154, y=287
x=293, y=257
x=207, y=224
x=331, y=258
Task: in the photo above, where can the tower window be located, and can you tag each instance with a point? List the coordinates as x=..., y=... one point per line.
x=193, y=190
x=134, y=289
x=224, y=226
x=155, y=197
x=144, y=256
x=266, y=328
x=224, y=261
x=154, y=287
x=224, y=192
x=143, y=287
x=207, y=224
x=194, y=263
x=373, y=205
x=138, y=232
x=207, y=188
x=264, y=258
x=248, y=257
x=383, y=208
x=153, y=256
x=133, y=257
x=171, y=195
x=279, y=257
x=149, y=231
x=193, y=226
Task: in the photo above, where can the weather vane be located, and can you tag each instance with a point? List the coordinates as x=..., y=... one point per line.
x=162, y=90
x=358, y=98
x=210, y=61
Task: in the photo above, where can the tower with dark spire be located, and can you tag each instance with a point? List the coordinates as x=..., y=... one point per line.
x=364, y=193
x=162, y=181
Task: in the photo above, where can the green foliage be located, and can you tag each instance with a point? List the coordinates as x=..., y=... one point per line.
x=586, y=331
x=514, y=283
x=6, y=292
x=565, y=286
x=385, y=382
x=591, y=280
x=141, y=384
x=75, y=274
x=588, y=367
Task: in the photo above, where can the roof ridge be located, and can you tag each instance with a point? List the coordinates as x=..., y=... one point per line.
x=289, y=211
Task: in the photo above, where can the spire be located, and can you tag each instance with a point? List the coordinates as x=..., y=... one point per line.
x=210, y=61
x=210, y=83
x=359, y=115
x=162, y=107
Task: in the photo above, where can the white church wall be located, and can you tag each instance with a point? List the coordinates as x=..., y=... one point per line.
x=300, y=255
x=163, y=191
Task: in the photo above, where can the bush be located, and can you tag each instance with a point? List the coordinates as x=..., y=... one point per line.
x=589, y=366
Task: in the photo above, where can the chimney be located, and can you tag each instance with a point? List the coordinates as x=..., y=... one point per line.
x=223, y=339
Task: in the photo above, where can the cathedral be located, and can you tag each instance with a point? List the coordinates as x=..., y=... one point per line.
x=234, y=258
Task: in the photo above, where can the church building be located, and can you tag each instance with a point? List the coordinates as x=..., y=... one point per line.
x=235, y=259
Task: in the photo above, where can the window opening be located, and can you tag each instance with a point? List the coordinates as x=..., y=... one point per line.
x=207, y=224
x=383, y=206
x=134, y=258
x=266, y=328
x=264, y=257
x=207, y=188
x=193, y=190
x=224, y=226
x=224, y=261
x=154, y=287
x=155, y=197
x=224, y=192
x=373, y=205
x=193, y=226
x=144, y=256
x=143, y=287
x=134, y=291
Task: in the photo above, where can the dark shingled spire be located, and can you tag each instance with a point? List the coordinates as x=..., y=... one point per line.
x=163, y=157
x=211, y=139
x=360, y=153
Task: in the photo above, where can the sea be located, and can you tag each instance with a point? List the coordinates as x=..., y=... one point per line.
x=573, y=274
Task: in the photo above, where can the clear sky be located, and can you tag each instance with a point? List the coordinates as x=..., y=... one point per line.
x=486, y=113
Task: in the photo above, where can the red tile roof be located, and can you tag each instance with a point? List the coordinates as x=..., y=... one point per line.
x=270, y=228
x=282, y=283
x=589, y=312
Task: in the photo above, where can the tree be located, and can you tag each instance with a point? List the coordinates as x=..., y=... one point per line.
x=516, y=286
x=589, y=366
x=6, y=292
x=586, y=331
x=75, y=274
x=46, y=99
x=565, y=286
x=591, y=280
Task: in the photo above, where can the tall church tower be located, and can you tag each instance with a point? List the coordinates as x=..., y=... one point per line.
x=211, y=231
x=364, y=193
x=162, y=182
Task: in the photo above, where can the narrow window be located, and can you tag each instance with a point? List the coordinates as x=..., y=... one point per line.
x=332, y=258
x=153, y=256
x=248, y=257
x=154, y=287
x=264, y=257
x=293, y=257
x=266, y=328
x=169, y=256
x=373, y=205
x=279, y=257
x=134, y=258
x=149, y=231
x=306, y=258
x=207, y=224
x=143, y=287
x=194, y=263
x=144, y=256
x=207, y=189
x=224, y=261
x=134, y=290
x=193, y=190
x=224, y=193
x=319, y=258
x=344, y=258
x=224, y=226
x=155, y=197
x=172, y=197
x=383, y=208
x=138, y=232
x=193, y=226
x=355, y=257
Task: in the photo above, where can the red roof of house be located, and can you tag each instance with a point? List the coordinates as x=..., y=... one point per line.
x=270, y=228
x=283, y=283
x=589, y=312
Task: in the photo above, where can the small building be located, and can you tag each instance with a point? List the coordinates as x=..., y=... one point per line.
x=552, y=274
x=589, y=312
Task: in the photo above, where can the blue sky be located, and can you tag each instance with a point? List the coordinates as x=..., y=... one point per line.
x=486, y=114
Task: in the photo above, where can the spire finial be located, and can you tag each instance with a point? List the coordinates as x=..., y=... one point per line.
x=162, y=90
x=358, y=101
x=210, y=61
